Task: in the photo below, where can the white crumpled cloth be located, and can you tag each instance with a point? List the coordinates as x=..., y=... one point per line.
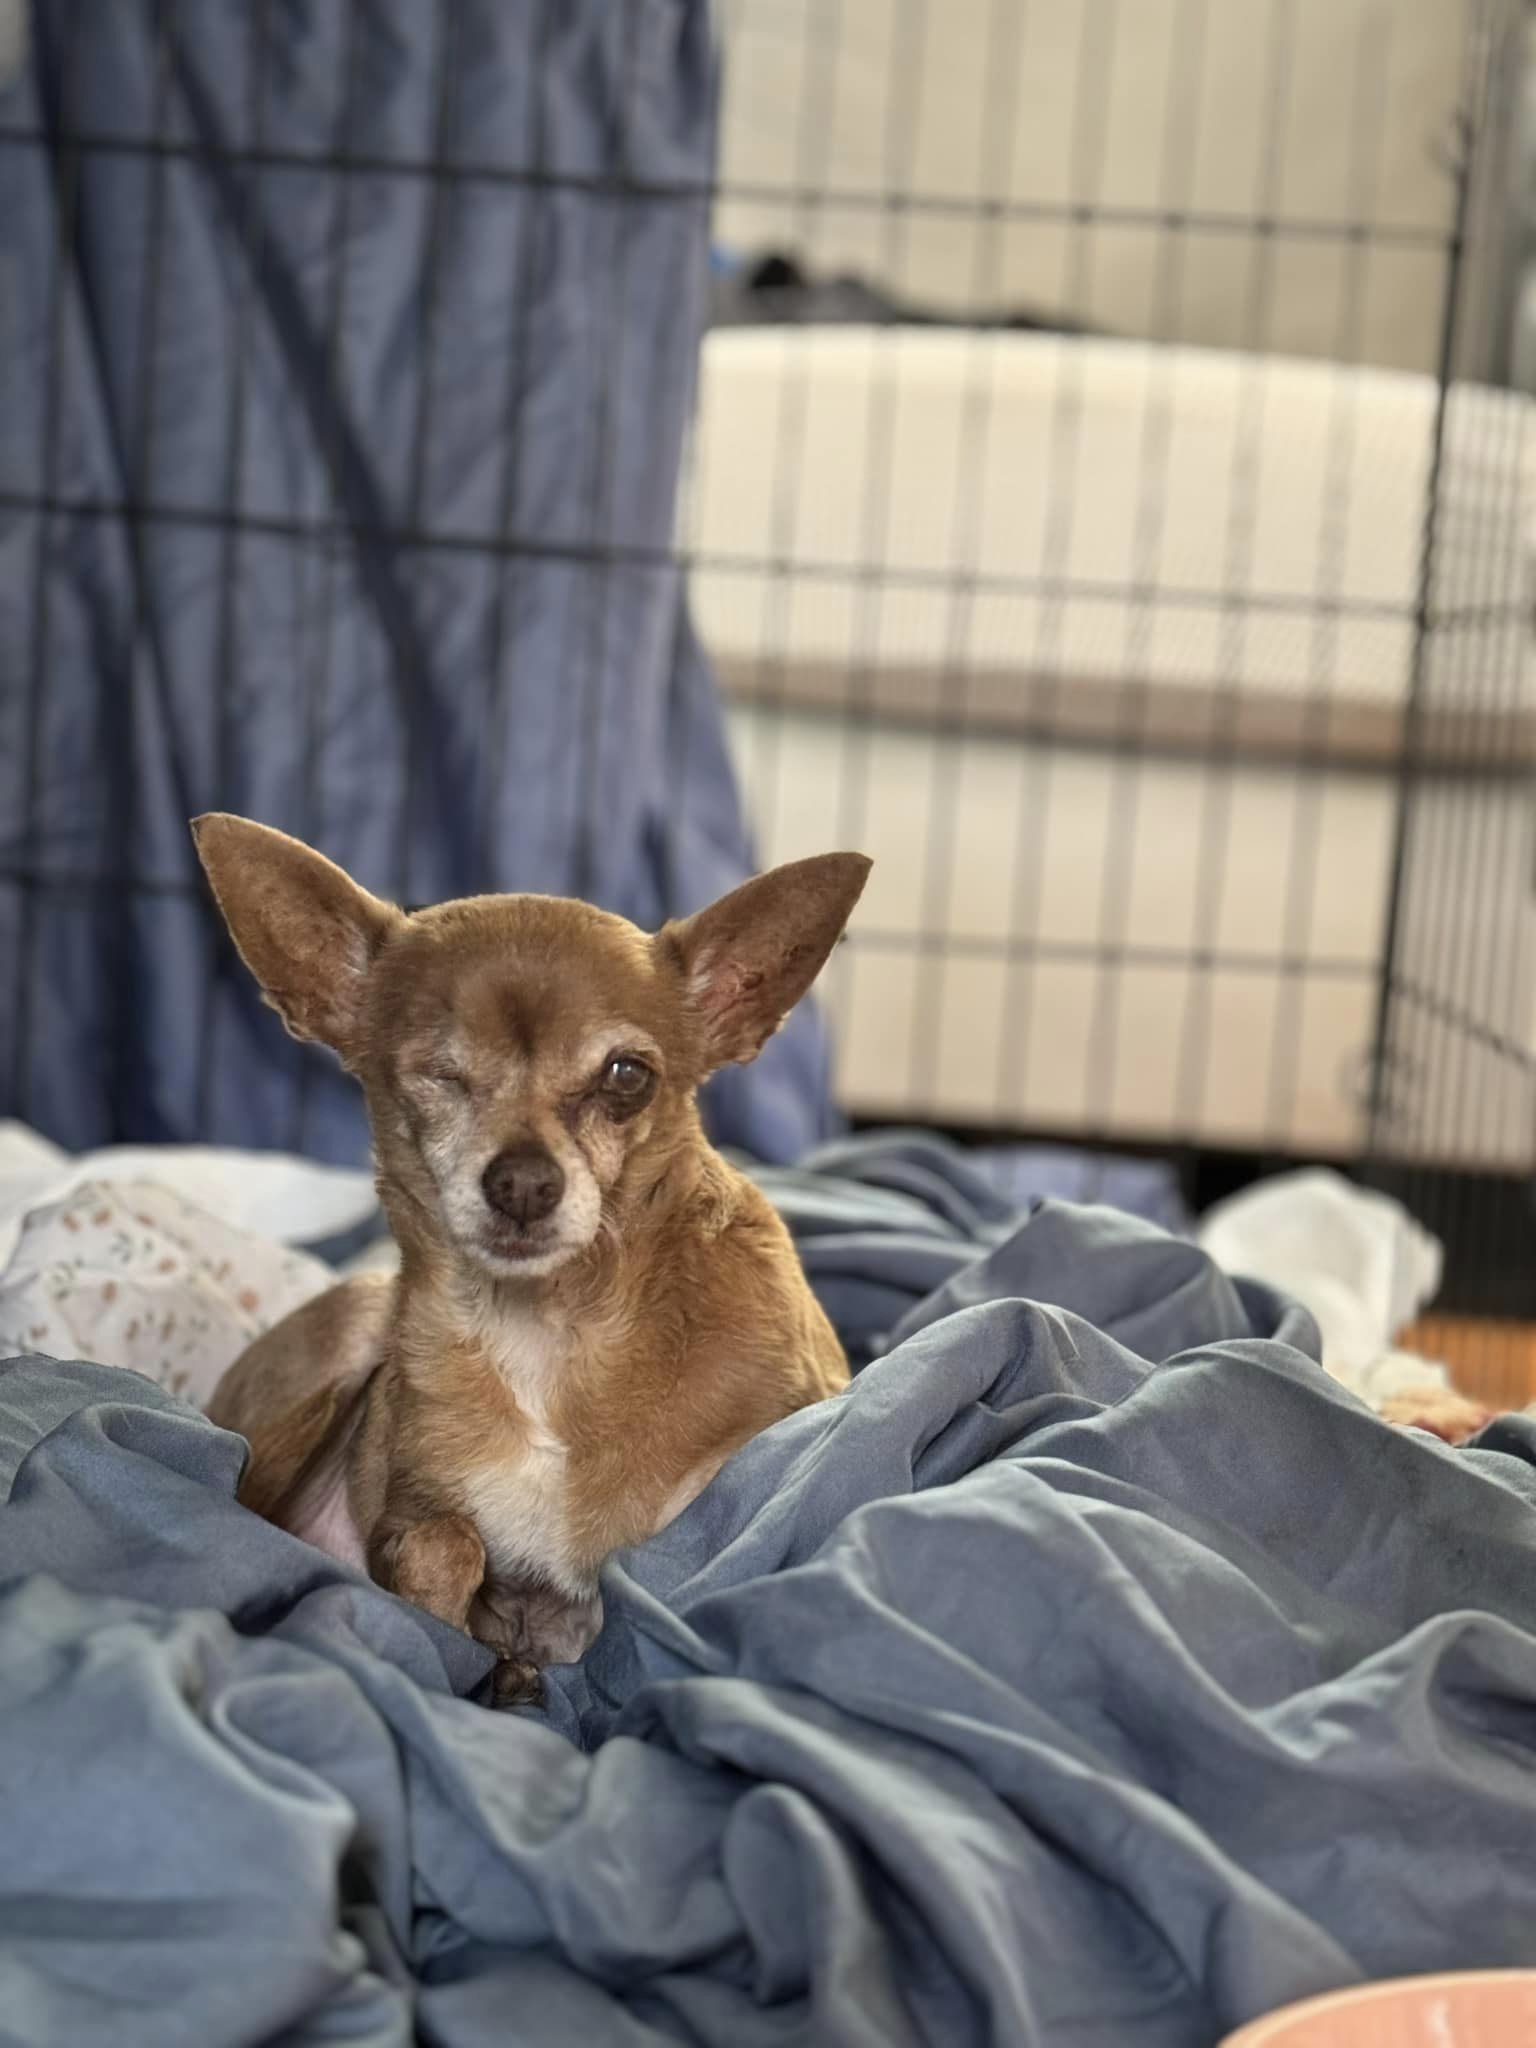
x=1355, y=1258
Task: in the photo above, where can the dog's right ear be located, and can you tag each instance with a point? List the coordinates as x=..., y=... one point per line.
x=307, y=932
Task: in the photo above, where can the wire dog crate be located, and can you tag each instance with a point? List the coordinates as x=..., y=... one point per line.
x=1127, y=548
x=1159, y=616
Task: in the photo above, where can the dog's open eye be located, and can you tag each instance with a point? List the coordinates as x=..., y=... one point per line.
x=627, y=1082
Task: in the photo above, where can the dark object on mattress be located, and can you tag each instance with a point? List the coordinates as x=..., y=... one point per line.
x=776, y=291
x=1095, y=1670
x=339, y=493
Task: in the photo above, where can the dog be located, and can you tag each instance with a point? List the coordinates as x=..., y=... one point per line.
x=593, y=1309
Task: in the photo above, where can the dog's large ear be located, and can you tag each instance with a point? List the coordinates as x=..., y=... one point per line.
x=750, y=957
x=307, y=932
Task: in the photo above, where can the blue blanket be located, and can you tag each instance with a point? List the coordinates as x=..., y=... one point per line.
x=1095, y=1671
x=343, y=498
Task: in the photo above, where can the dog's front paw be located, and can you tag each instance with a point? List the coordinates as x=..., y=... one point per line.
x=515, y=1683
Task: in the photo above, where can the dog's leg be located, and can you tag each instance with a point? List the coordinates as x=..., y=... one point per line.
x=437, y=1563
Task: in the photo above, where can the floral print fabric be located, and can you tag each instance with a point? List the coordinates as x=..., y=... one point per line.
x=128, y=1273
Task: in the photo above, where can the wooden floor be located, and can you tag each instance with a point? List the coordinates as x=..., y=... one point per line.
x=1492, y=1362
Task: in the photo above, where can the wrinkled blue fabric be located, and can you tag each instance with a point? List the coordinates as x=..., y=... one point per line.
x=1143, y=1187
x=1095, y=1670
x=891, y=1224
x=343, y=500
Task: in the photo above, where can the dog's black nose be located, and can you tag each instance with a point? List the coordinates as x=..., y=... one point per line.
x=524, y=1184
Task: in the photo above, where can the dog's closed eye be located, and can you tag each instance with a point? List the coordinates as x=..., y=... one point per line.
x=440, y=1075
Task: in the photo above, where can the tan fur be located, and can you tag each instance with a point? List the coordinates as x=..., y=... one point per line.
x=1439, y=1410
x=523, y=1400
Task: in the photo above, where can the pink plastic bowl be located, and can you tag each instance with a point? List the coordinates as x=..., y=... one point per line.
x=1473, y=2009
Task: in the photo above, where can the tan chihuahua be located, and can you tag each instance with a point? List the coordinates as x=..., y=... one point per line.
x=593, y=1310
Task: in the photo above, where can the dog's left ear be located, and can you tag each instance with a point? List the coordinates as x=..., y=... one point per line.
x=749, y=958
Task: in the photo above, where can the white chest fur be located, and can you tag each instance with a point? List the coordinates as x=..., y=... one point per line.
x=519, y=1506
x=518, y=1499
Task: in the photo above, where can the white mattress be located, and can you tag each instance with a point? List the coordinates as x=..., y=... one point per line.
x=960, y=524
x=1178, y=943
x=1056, y=942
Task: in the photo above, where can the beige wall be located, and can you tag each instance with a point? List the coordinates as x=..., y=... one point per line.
x=1113, y=101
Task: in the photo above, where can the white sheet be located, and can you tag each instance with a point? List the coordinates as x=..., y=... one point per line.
x=272, y=1194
